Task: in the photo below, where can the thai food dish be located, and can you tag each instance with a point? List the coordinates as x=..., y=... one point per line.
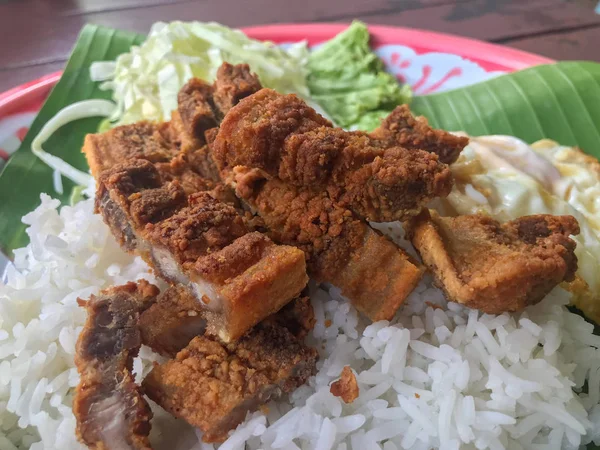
x=247, y=274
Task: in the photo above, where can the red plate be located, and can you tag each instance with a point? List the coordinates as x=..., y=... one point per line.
x=429, y=62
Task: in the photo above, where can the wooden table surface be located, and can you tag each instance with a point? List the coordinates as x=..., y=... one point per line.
x=36, y=35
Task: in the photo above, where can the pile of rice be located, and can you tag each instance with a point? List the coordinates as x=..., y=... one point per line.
x=436, y=376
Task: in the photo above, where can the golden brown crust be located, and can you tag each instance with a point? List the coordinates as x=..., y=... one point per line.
x=261, y=123
x=196, y=108
x=176, y=317
x=203, y=244
x=346, y=387
x=202, y=227
x=339, y=247
x=109, y=408
x=142, y=140
x=212, y=385
x=172, y=321
x=233, y=83
x=414, y=133
x=297, y=316
x=496, y=267
x=285, y=138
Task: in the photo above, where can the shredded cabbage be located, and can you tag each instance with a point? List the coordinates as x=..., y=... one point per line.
x=79, y=110
x=145, y=81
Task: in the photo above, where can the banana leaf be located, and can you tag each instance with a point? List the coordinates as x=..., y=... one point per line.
x=556, y=101
x=24, y=177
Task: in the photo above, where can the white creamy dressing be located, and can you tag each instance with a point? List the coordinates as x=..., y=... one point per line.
x=506, y=178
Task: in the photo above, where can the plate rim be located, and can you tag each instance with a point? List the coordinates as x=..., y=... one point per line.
x=317, y=32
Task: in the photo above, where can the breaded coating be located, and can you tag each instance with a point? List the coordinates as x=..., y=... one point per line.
x=403, y=129
x=213, y=385
x=110, y=410
x=496, y=267
x=297, y=316
x=239, y=276
x=196, y=108
x=161, y=145
x=339, y=247
x=234, y=83
x=172, y=321
x=284, y=137
x=201, y=107
x=176, y=318
x=142, y=140
x=346, y=387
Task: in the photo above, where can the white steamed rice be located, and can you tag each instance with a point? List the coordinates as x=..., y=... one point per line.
x=434, y=377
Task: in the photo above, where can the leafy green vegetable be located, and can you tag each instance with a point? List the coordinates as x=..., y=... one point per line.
x=555, y=101
x=25, y=176
x=145, y=80
x=348, y=80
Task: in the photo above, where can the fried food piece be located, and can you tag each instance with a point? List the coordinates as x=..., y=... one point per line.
x=234, y=83
x=111, y=411
x=142, y=140
x=172, y=321
x=196, y=108
x=340, y=248
x=284, y=137
x=176, y=318
x=403, y=129
x=496, y=267
x=213, y=385
x=297, y=316
x=146, y=141
x=346, y=387
x=201, y=107
x=239, y=277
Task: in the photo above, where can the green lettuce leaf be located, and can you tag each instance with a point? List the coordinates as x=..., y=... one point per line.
x=25, y=176
x=348, y=80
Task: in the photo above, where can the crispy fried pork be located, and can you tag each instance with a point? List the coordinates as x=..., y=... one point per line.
x=172, y=321
x=169, y=325
x=110, y=410
x=403, y=129
x=287, y=139
x=200, y=109
x=212, y=385
x=239, y=277
x=496, y=267
x=371, y=271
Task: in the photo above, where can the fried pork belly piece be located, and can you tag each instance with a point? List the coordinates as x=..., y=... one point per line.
x=297, y=316
x=371, y=271
x=287, y=139
x=176, y=318
x=172, y=321
x=155, y=143
x=212, y=385
x=201, y=107
x=233, y=84
x=110, y=410
x=496, y=267
x=142, y=140
x=238, y=276
x=403, y=129
x=196, y=108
